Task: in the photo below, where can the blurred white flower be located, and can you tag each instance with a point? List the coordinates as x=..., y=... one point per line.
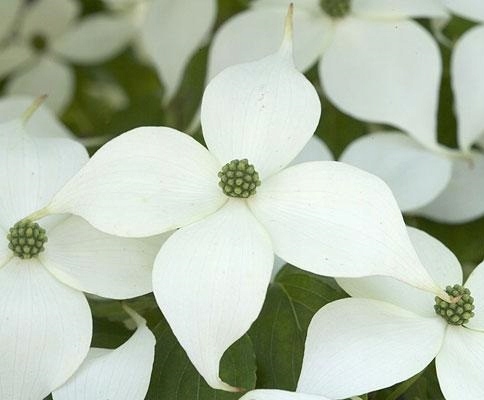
x=426, y=178
x=48, y=35
x=45, y=320
x=389, y=331
x=169, y=33
x=120, y=374
x=210, y=277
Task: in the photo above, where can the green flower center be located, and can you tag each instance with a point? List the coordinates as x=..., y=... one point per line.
x=336, y=8
x=38, y=42
x=459, y=312
x=26, y=239
x=238, y=178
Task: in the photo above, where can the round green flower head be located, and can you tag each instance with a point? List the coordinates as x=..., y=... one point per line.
x=26, y=239
x=238, y=178
x=458, y=313
x=336, y=8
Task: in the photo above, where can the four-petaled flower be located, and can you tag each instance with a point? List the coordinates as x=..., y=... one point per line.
x=235, y=206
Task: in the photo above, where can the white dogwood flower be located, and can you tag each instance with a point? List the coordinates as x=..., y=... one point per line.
x=390, y=331
x=47, y=35
x=121, y=374
x=45, y=320
x=236, y=205
x=426, y=178
x=169, y=33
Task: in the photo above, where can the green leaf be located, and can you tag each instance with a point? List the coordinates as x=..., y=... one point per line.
x=175, y=378
x=280, y=331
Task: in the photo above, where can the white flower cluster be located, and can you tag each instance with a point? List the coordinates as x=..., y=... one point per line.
x=155, y=210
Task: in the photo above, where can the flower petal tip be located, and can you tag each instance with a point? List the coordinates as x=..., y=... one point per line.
x=286, y=45
x=33, y=108
x=138, y=319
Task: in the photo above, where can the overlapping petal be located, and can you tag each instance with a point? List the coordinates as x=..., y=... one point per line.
x=385, y=71
x=210, y=281
x=459, y=364
x=172, y=32
x=438, y=260
x=468, y=86
x=91, y=261
x=415, y=175
x=264, y=111
x=334, y=219
x=398, y=8
x=273, y=394
x=371, y=344
x=471, y=9
x=47, y=76
x=147, y=181
x=461, y=201
x=121, y=374
x=32, y=170
x=234, y=42
x=475, y=283
x=49, y=18
x=314, y=150
x=42, y=123
x=45, y=331
x=95, y=39
x=13, y=57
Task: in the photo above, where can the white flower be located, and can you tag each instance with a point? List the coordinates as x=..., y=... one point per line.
x=170, y=33
x=50, y=35
x=45, y=320
x=210, y=277
x=120, y=374
x=426, y=178
x=389, y=332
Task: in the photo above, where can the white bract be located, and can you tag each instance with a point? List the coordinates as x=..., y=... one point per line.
x=426, y=178
x=390, y=331
x=120, y=374
x=210, y=277
x=170, y=32
x=45, y=36
x=45, y=320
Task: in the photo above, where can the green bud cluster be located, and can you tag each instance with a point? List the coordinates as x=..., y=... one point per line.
x=26, y=239
x=460, y=312
x=336, y=8
x=238, y=178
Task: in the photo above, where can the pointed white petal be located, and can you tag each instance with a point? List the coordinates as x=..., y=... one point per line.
x=385, y=71
x=439, y=261
x=468, y=86
x=314, y=150
x=254, y=34
x=45, y=331
x=32, y=170
x=461, y=201
x=264, y=111
x=398, y=8
x=371, y=343
x=42, y=123
x=415, y=175
x=273, y=394
x=313, y=211
x=13, y=57
x=471, y=9
x=94, y=262
x=8, y=12
x=475, y=283
x=121, y=374
x=95, y=39
x=49, y=18
x=46, y=77
x=459, y=364
x=172, y=32
x=210, y=280
x=147, y=181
